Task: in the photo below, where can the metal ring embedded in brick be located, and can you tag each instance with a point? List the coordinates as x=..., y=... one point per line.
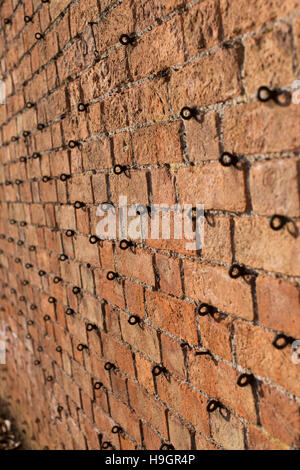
x=42, y=273
x=27, y=19
x=111, y=275
x=14, y=138
x=277, y=222
x=36, y=155
x=18, y=182
x=37, y=363
x=12, y=221
x=125, y=244
x=76, y=290
x=93, y=239
x=10, y=240
x=118, y=169
x=69, y=311
x=20, y=243
x=166, y=446
x=7, y=21
x=39, y=36
x=157, y=370
x=13, y=291
x=79, y=204
x=81, y=347
x=45, y=179
x=57, y=280
x=2, y=236
x=49, y=378
x=33, y=307
x=40, y=126
x=28, y=336
x=28, y=265
x=25, y=283
x=91, y=327
x=51, y=300
x=64, y=177
x=47, y=317
x=106, y=445
x=63, y=257
x=281, y=341
x=32, y=248
x=213, y=405
x=228, y=159
x=205, y=309
x=18, y=260
x=125, y=39
x=187, y=113
x=116, y=430
x=82, y=107
x=26, y=133
x=30, y=322
x=109, y=366
x=133, y=320
x=236, y=270
x=45, y=1
x=40, y=349
x=98, y=385
x=23, y=159
x=70, y=233
x=264, y=90
x=23, y=224
x=73, y=143
x=29, y=105
x=8, y=183
x=245, y=379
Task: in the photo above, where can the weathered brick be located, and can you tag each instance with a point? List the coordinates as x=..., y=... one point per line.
x=183, y=312
x=273, y=186
x=255, y=351
x=269, y=59
x=256, y=245
x=210, y=80
x=214, y=286
x=259, y=127
x=213, y=186
x=227, y=431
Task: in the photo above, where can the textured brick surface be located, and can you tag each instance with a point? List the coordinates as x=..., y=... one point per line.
x=90, y=351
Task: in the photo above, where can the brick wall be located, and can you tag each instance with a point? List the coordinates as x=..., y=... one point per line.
x=211, y=55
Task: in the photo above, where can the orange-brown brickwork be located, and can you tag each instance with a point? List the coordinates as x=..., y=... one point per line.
x=75, y=367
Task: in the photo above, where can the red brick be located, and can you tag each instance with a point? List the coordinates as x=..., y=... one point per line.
x=147, y=407
x=269, y=59
x=185, y=401
x=118, y=353
x=210, y=80
x=254, y=350
x=169, y=274
x=141, y=337
x=203, y=138
x=229, y=431
x=136, y=265
x=256, y=243
x=144, y=372
x=275, y=296
x=214, y=186
x=220, y=381
x=152, y=52
x=217, y=239
x=178, y=317
x=274, y=187
x=214, y=286
x=274, y=406
x=258, y=128
x=258, y=439
x=125, y=417
x=202, y=27
x=163, y=186
x=173, y=356
x=240, y=17
x=180, y=436
x=135, y=298
x=158, y=144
